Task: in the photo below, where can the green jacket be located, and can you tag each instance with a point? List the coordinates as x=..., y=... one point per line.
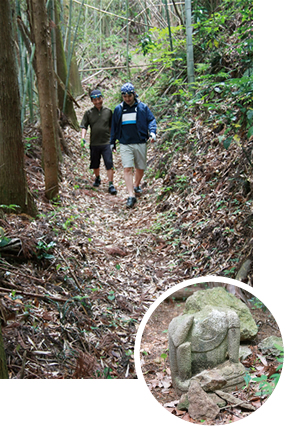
x=100, y=125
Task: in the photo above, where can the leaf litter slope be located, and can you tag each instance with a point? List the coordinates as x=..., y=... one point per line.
x=90, y=268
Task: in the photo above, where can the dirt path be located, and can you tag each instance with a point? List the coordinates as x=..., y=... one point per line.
x=97, y=266
x=95, y=255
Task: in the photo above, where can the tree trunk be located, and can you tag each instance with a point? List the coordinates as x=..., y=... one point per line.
x=190, y=54
x=62, y=73
x=3, y=363
x=75, y=81
x=47, y=98
x=13, y=184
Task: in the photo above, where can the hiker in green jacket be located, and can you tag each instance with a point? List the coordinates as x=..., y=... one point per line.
x=99, y=118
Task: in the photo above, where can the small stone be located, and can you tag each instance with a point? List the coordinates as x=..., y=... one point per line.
x=201, y=405
x=235, y=401
x=244, y=352
x=267, y=346
x=183, y=403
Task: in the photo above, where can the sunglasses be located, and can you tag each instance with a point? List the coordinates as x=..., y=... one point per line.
x=97, y=96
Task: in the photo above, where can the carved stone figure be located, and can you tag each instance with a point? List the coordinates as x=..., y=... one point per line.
x=202, y=341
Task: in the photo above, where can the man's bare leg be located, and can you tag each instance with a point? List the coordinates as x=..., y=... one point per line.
x=138, y=176
x=128, y=174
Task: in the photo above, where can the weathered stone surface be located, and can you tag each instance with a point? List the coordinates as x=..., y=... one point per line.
x=210, y=380
x=244, y=352
x=201, y=341
x=267, y=346
x=226, y=376
x=216, y=399
x=234, y=401
x=234, y=375
x=201, y=405
x=183, y=403
x=218, y=296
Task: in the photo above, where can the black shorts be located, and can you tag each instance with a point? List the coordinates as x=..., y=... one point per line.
x=96, y=152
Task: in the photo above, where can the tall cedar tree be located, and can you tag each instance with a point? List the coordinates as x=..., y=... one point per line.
x=47, y=95
x=62, y=73
x=13, y=184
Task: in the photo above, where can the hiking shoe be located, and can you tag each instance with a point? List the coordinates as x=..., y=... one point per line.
x=131, y=201
x=138, y=190
x=112, y=190
x=97, y=181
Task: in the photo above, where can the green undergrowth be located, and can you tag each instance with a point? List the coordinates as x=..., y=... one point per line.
x=267, y=384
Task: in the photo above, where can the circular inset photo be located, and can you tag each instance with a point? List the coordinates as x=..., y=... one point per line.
x=210, y=352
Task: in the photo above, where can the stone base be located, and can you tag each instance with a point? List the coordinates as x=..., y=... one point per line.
x=208, y=391
x=228, y=376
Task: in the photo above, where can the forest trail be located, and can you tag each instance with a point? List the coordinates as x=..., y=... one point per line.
x=90, y=268
x=96, y=270
x=135, y=253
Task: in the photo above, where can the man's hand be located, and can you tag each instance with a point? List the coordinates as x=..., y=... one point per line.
x=82, y=142
x=152, y=137
x=113, y=147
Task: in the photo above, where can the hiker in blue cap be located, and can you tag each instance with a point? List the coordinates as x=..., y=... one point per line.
x=99, y=119
x=133, y=124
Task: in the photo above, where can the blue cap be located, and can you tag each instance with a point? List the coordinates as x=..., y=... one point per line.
x=95, y=94
x=127, y=88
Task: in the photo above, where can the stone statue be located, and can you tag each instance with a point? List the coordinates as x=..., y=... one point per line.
x=202, y=341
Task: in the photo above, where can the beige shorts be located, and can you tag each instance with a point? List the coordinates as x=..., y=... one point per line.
x=134, y=155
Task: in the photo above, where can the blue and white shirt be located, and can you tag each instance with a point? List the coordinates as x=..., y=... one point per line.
x=129, y=124
x=145, y=124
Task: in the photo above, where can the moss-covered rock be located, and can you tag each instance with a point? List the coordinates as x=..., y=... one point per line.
x=268, y=345
x=220, y=297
